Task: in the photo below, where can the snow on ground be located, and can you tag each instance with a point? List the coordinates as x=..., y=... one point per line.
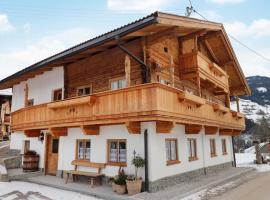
x=3, y=170
x=16, y=189
x=252, y=148
x=247, y=160
x=203, y=194
x=252, y=110
x=261, y=89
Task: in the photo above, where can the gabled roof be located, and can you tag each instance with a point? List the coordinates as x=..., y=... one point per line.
x=153, y=23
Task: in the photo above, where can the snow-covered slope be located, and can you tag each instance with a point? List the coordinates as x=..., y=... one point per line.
x=252, y=110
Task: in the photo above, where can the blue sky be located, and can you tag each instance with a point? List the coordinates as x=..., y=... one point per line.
x=32, y=30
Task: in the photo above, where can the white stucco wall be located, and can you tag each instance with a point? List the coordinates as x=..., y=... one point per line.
x=157, y=154
x=156, y=149
x=17, y=141
x=40, y=88
x=67, y=148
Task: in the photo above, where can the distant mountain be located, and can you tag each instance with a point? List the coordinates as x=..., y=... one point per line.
x=260, y=86
x=257, y=105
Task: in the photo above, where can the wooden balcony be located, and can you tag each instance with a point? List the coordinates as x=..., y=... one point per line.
x=194, y=64
x=148, y=102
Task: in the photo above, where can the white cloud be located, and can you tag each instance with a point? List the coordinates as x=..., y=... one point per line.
x=137, y=5
x=258, y=28
x=227, y=1
x=252, y=64
x=5, y=25
x=18, y=59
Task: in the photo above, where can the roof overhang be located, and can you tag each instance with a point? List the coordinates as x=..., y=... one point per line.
x=152, y=24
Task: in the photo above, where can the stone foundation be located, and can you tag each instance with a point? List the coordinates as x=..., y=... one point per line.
x=166, y=182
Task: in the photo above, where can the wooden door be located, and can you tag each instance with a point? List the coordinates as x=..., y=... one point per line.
x=52, y=155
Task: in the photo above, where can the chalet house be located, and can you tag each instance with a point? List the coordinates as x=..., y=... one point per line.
x=160, y=86
x=5, y=103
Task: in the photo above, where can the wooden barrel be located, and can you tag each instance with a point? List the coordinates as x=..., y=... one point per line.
x=30, y=163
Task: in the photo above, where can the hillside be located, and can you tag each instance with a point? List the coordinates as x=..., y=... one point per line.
x=258, y=104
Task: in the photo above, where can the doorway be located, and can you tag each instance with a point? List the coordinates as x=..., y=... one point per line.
x=52, y=148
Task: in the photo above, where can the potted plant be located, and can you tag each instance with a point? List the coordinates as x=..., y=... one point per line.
x=119, y=183
x=134, y=183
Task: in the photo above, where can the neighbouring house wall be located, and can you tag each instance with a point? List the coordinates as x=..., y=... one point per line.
x=157, y=152
x=17, y=141
x=67, y=148
x=40, y=88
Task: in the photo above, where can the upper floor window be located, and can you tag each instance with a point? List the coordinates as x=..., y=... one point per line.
x=117, y=83
x=117, y=152
x=83, y=150
x=224, y=146
x=213, y=147
x=57, y=95
x=30, y=102
x=84, y=90
x=192, y=148
x=163, y=80
x=171, y=151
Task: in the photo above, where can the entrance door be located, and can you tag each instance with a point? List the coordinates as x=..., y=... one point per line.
x=52, y=155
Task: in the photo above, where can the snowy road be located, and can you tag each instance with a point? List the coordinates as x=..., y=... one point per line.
x=28, y=191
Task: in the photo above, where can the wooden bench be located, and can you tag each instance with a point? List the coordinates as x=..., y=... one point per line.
x=95, y=177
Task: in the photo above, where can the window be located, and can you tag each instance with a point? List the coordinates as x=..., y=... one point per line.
x=84, y=90
x=192, y=147
x=57, y=95
x=213, y=147
x=117, y=83
x=83, y=150
x=224, y=147
x=26, y=146
x=171, y=151
x=55, y=144
x=30, y=102
x=117, y=152
x=162, y=80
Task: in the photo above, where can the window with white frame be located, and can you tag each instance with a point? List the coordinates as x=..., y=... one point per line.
x=192, y=149
x=84, y=90
x=171, y=151
x=213, y=148
x=117, y=151
x=84, y=150
x=224, y=146
x=117, y=83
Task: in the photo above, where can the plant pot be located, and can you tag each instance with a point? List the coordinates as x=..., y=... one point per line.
x=120, y=189
x=134, y=187
x=30, y=163
x=113, y=186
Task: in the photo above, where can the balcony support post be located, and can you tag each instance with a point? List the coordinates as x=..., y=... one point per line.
x=127, y=70
x=145, y=68
x=199, y=85
x=237, y=104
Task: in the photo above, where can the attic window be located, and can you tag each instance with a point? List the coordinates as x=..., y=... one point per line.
x=166, y=49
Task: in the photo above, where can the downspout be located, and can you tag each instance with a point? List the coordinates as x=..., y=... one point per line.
x=146, y=176
x=234, y=160
x=145, y=68
x=203, y=152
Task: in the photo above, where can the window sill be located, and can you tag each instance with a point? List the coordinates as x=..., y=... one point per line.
x=224, y=154
x=173, y=162
x=116, y=164
x=190, y=159
x=213, y=155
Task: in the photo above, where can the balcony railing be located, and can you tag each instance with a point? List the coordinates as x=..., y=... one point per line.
x=196, y=63
x=147, y=102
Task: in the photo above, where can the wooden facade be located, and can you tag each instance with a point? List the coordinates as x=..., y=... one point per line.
x=193, y=73
x=145, y=102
